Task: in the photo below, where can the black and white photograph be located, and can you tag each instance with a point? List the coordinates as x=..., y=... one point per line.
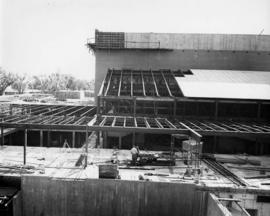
x=134, y=108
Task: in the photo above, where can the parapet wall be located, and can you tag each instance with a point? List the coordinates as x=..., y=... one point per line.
x=226, y=42
x=232, y=42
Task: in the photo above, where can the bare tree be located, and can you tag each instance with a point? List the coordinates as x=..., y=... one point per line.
x=20, y=84
x=40, y=83
x=6, y=79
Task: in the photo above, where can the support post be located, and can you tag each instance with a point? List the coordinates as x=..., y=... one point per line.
x=120, y=142
x=172, y=146
x=10, y=109
x=49, y=139
x=41, y=138
x=2, y=136
x=134, y=106
x=155, y=108
x=105, y=139
x=73, y=139
x=60, y=140
x=24, y=147
x=86, y=148
x=174, y=108
x=98, y=139
x=98, y=106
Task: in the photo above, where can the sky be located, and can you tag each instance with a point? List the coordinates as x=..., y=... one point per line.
x=46, y=36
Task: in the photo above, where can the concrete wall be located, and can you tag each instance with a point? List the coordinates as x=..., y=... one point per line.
x=214, y=207
x=198, y=41
x=249, y=201
x=45, y=196
x=178, y=59
x=17, y=204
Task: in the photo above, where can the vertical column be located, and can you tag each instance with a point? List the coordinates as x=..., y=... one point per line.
x=10, y=109
x=105, y=139
x=98, y=139
x=184, y=108
x=134, y=106
x=49, y=139
x=172, y=146
x=60, y=140
x=174, y=108
x=155, y=109
x=120, y=142
x=86, y=148
x=98, y=106
x=73, y=139
x=2, y=136
x=41, y=138
x=24, y=147
x=215, y=137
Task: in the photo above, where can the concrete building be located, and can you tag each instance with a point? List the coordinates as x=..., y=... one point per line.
x=144, y=51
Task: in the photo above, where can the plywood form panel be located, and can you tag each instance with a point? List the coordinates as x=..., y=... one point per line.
x=45, y=196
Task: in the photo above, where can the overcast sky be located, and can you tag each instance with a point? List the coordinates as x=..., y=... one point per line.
x=45, y=36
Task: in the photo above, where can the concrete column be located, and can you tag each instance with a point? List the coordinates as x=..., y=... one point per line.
x=98, y=106
x=105, y=139
x=98, y=139
x=60, y=140
x=49, y=139
x=174, y=108
x=120, y=142
x=134, y=106
x=41, y=138
x=10, y=109
x=24, y=147
x=86, y=149
x=172, y=146
x=2, y=136
x=73, y=139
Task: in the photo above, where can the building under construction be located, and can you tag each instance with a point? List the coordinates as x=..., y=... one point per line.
x=196, y=106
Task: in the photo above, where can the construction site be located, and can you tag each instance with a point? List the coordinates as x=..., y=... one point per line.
x=180, y=126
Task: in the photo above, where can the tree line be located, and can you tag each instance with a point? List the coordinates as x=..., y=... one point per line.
x=50, y=83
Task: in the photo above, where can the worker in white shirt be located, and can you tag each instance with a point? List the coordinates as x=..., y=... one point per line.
x=134, y=154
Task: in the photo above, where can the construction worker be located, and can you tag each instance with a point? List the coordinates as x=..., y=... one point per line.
x=134, y=154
